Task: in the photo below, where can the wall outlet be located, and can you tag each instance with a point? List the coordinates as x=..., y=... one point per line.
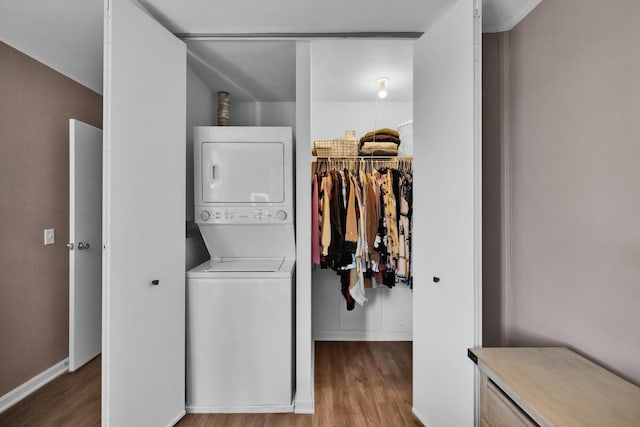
x=49, y=236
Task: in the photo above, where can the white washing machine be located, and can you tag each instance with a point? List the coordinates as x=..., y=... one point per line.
x=240, y=303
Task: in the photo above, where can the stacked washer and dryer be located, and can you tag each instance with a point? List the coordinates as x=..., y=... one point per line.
x=240, y=302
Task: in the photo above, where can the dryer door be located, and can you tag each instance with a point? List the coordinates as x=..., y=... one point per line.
x=243, y=172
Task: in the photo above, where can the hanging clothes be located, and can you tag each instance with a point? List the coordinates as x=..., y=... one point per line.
x=404, y=230
x=315, y=222
x=361, y=226
x=324, y=217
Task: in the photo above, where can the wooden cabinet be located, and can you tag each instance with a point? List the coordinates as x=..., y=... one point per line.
x=523, y=387
x=497, y=409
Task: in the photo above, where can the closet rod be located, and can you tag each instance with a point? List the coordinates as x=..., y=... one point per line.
x=366, y=162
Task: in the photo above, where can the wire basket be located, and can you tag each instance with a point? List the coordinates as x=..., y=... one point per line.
x=335, y=148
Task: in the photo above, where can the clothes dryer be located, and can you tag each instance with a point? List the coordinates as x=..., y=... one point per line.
x=240, y=302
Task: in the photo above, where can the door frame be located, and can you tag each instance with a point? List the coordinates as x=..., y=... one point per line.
x=304, y=360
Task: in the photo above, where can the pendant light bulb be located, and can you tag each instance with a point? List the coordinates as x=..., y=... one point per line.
x=382, y=87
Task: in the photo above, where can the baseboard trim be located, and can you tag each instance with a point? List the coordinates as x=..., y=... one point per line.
x=178, y=418
x=419, y=417
x=239, y=409
x=362, y=336
x=22, y=391
x=304, y=406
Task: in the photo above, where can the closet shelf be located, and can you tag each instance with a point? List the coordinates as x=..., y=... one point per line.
x=386, y=158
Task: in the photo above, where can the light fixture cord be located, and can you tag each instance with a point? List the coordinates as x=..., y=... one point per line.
x=375, y=117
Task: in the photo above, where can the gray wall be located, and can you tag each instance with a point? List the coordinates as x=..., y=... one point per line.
x=575, y=176
x=36, y=104
x=493, y=305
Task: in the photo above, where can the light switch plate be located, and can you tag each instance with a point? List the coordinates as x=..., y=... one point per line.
x=49, y=236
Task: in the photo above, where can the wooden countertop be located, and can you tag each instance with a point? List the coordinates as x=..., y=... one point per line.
x=558, y=387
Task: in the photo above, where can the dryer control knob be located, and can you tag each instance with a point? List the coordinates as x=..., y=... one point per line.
x=281, y=215
x=205, y=215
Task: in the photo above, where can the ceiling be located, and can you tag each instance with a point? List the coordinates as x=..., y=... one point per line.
x=66, y=35
x=342, y=69
x=299, y=16
x=347, y=70
x=249, y=70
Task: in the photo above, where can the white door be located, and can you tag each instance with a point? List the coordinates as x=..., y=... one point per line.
x=85, y=243
x=447, y=227
x=144, y=221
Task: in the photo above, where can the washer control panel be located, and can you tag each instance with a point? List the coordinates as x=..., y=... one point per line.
x=243, y=215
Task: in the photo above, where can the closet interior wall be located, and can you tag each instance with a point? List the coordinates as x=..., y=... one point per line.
x=221, y=65
x=387, y=314
x=252, y=104
x=201, y=111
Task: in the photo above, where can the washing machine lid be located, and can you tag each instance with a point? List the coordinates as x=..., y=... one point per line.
x=244, y=264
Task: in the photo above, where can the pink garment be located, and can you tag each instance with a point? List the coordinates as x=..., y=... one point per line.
x=315, y=228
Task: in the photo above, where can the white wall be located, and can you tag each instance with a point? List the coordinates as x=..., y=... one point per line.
x=386, y=316
x=263, y=114
x=332, y=119
x=202, y=107
x=201, y=111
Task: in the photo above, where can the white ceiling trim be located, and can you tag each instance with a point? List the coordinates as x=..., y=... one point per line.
x=510, y=18
x=524, y=11
x=411, y=35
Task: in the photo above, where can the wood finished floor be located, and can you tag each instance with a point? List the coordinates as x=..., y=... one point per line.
x=72, y=399
x=356, y=384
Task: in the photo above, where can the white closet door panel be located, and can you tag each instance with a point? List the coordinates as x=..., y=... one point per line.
x=144, y=197
x=446, y=233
